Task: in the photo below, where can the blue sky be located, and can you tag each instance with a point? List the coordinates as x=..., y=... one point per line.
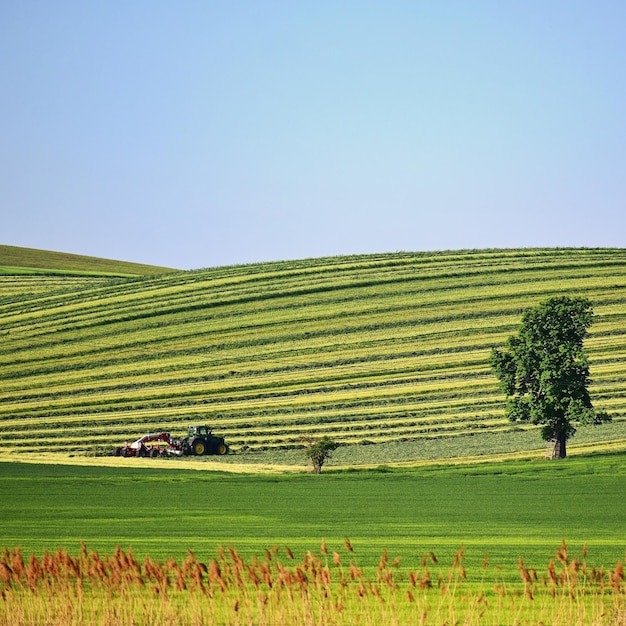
x=198, y=134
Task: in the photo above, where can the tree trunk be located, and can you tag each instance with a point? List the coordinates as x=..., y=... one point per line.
x=560, y=451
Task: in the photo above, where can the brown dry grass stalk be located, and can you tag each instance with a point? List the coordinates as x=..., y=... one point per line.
x=118, y=589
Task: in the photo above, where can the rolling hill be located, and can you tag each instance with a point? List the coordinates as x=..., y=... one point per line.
x=388, y=349
x=15, y=260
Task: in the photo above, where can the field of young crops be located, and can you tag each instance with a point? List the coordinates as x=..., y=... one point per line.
x=389, y=349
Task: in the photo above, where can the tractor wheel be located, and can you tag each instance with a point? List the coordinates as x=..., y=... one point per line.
x=199, y=447
x=222, y=449
x=142, y=452
x=118, y=452
x=154, y=453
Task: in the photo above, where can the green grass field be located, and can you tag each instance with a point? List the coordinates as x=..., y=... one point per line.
x=517, y=542
x=504, y=510
x=387, y=349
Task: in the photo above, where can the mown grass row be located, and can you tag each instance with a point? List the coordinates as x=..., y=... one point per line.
x=378, y=348
x=238, y=326
x=354, y=298
x=185, y=291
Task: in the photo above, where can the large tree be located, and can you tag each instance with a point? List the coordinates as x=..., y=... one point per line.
x=544, y=370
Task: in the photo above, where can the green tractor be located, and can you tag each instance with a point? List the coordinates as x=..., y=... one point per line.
x=200, y=440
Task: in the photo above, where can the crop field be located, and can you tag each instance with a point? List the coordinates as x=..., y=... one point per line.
x=427, y=545
x=385, y=349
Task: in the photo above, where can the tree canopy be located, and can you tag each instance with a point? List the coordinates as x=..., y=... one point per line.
x=544, y=370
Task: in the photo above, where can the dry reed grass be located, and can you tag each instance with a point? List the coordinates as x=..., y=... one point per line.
x=325, y=589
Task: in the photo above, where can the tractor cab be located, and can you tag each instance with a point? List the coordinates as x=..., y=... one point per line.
x=199, y=431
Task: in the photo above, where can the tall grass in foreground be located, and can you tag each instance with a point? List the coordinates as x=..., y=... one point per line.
x=328, y=588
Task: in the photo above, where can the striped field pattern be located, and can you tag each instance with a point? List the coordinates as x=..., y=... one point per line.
x=375, y=348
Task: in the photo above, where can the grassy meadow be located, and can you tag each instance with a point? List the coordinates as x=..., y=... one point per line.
x=23, y=261
x=385, y=349
x=460, y=530
x=504, y=509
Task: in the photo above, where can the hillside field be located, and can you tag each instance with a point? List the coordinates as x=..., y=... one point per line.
x=387, y=349
x=16, y=260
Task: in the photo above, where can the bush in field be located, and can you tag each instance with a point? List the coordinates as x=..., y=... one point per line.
x=319, y=451
x=545, y=370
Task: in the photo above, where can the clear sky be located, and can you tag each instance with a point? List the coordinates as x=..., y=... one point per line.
x=196, y=134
